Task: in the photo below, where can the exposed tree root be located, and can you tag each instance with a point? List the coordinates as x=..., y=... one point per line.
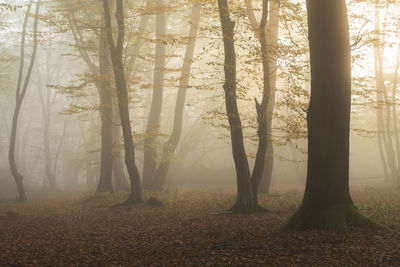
x=334, y=219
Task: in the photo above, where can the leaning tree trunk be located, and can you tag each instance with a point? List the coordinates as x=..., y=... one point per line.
x=153, y=124
x=19, y=97
x=327, y=202
x=170, y=146
x=122, y=93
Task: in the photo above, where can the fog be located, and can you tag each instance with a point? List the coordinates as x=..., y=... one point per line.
x=130, y=131
x=60, y=112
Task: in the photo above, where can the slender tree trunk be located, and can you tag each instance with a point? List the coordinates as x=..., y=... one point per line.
x=247, y=186
x=384, y=137
x=104, y=88
x=327, y=202
x=20, y=94
x=153, y=124
x=49, y=181
x=119, y=178
x=259, y=165
x=244, y=187
x=120, y=181
x=270, y=45
x=122, y=93
x=394, y=111
x=144, y=20
x=106, y=104
x=170, y=146
x=273, y=32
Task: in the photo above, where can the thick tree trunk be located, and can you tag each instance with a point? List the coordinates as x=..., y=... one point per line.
x=122, y=93
x=327, y=202
x=105, y=93
x=170, y=146
x=19, y=97
x=153, y=123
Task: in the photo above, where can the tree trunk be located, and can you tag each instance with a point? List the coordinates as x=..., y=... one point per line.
x=273, y=33
x=394, y=111
x=122, y=93
x=105, y=93
x=383, y=126
x=170, y=146
x=119, y=179
x=153, y=124
x=327, y=202
x=19, y=97
x=244, y=200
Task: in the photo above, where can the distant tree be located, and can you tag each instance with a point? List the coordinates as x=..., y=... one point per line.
x=388, y=136
x=157, y=177
x=327, y=202
x=20, y=94
x=116, y=50
x=247, y=184
x=153, y=123
x=105, y=90
x=272, y=30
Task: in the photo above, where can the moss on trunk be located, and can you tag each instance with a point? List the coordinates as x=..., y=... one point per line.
x=336, y=218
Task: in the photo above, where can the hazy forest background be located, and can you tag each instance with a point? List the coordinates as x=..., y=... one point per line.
x=109, y=103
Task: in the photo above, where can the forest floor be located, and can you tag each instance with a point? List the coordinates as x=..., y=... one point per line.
x=191, y=229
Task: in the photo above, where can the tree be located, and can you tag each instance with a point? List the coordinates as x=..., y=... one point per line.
x=386, y=106
x=159, y=176
x=103, y=84
x=272, y=40
x=153, y=123
x=247, y=184
x=19, y=97
x=327, y=202
x=116, y=51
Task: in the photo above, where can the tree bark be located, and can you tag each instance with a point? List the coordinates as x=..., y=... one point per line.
x=272, y=42
x=327, y=202
x=385, y=148
x=19, y=97
x=119, y=178
x=273, y=33
x=106, y=107
x=170, y=146
x=119, y=77
x=247, y=186
x=153, y=123
x=104, y=88
x=394, y=111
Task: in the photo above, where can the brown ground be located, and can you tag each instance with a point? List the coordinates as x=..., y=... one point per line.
x=190, y=230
